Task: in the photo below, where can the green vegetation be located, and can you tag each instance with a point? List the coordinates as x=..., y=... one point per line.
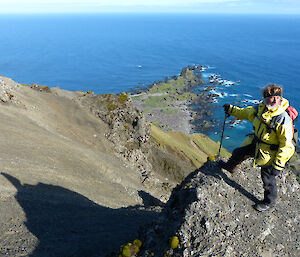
x=136, y=97
x=147, y=111
x=172, y=86
x=165, y=100
x=123, y=98
x=165, y=94
x=163, y=87
x=112, y=106
x=194, y=148
x=175, y=85
x=169, y=111
x=160, y=125
x=185, y=96
x=112, y=101
x=157, y=101
x=187, y=74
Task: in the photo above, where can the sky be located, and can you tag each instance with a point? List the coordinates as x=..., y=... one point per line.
x=142, y=6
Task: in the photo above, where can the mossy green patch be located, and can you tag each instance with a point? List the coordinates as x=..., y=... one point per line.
x=123, y=98
x=175, y=85
x=136, y=97
x=112, y=106
x=157, y=101
x=162, y=87
x=187, y=74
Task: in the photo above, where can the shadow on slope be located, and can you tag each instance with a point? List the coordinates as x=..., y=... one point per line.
x=219, y=174
x=69, y=224
x=188, y=195
x=197, y=189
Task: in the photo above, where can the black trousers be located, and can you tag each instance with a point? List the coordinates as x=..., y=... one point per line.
x=269, y=181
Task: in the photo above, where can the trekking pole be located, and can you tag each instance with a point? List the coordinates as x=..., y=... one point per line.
x=212, y=158
x=222, y=136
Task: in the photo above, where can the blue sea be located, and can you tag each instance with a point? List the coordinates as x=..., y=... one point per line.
x=112, y=53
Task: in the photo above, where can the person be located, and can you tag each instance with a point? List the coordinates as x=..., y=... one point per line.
x=271, y=144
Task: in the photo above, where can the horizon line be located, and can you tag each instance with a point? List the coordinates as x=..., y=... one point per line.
x=154, y=12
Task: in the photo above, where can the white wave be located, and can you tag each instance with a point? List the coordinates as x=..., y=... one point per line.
x=250, y=101
x=206, y=75
x=229, y=83
x=247, y=95
x=216, y=79
x=219, y=94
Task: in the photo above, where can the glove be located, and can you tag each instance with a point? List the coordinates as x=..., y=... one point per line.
x=226, y=107
x=272, y=171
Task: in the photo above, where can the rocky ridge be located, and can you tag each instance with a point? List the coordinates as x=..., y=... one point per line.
x=211, y=213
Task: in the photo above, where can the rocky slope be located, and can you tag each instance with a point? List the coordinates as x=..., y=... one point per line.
x=62, y=190
x=211, y=213
x=80, y=172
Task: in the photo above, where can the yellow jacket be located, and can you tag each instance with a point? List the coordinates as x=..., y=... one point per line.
x=273, y=145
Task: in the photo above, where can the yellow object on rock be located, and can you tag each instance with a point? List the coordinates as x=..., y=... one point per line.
x=130, y=249
x=174, y=242
x=187, y=185
x=126, y=250
x=138, y=243
x=211, y=158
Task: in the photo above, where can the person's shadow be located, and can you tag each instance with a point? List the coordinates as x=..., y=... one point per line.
x=69, y=224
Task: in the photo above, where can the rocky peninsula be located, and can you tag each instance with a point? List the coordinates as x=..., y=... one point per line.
x=171, y=104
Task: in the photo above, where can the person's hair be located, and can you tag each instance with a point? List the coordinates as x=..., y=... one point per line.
x=272, y=90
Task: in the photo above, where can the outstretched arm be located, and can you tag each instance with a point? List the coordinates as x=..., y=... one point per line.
x=247, y=113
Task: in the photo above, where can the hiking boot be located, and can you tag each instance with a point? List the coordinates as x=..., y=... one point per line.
x=226, y=166
x=261, y=207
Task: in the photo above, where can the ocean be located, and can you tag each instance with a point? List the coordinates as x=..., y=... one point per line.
x=112, y=53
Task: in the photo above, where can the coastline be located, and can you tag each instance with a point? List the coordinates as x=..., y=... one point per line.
x=171, y=104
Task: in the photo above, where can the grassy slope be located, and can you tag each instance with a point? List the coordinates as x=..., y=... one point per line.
x=194, y=148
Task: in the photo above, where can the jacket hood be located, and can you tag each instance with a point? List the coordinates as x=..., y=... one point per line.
x=281, y=108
